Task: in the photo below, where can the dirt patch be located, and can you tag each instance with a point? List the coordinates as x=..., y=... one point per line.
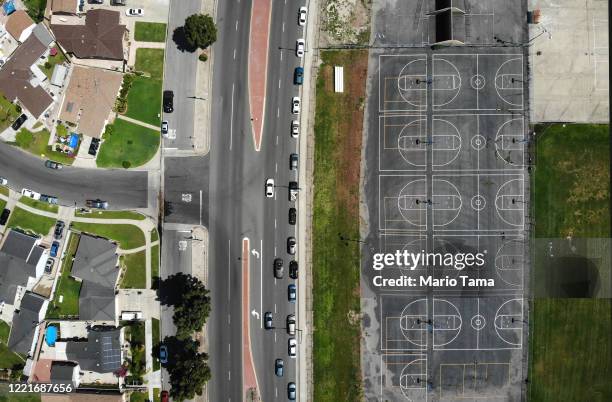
x=345, y=22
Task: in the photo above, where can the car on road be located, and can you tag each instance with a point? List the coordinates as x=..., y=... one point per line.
x=291, y=324
x=292, y=348
x=3, y=181
x=299, y=47
x=302, y=16
x=54, y=249
x=291, y=245
x=4, y=216
x=295, y=105
x=164, y=396
x=293, y=269
x=268, y=320
x=135, y=12
x=293, y=190
x=292, y=216
x=270, y=188
x=59, y=230
x=278, y=268
x=164, y=127
x=291, y=293
x=97, y=203
x=168, y=101
x=31, y=194
x=293, y=161
x=95, y=1
x=49, y=198
x=163, y=354
x=291, y=391
x=18, y=123
x=53, y=165
x=295, y=128
x=298, y=76
x=279, y=365
x=49, y=265
x=118, y=2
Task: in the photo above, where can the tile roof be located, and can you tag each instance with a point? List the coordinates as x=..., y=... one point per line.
x=18, y=22
x=63, y=6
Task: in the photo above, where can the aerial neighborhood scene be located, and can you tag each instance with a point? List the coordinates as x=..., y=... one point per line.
x=305, y=200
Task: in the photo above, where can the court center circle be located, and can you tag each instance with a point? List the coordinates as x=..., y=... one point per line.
x=478, y=322
x=478, y=142
x=477, y=81
x=478, y=202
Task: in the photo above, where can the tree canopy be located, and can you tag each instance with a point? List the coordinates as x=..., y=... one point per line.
x=200, y=31
x=188, y=369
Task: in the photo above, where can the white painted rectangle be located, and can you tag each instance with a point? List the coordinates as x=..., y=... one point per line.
x=338, y=78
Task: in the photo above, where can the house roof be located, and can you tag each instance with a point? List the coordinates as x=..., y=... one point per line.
x=42, y=33
x=18, y=244
x=63, y=6
x=101, y=352
x=80, y=397
x=18, y=82
x=89, y=99
x=18, y=22
x=25, y=321
x=61, y=372
x=19, y=257
x=101, y=37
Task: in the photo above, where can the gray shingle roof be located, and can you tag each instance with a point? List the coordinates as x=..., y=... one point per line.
x=14, y=272
x=100, y=353
x=18, y=244
x=61, y=372
x=25, y=321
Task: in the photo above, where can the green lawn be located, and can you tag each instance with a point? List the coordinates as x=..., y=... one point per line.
x=570, y=338
x=36, y=9
x=135, y=333
x=29, y=222
x=67, y=287
x=336, y=352
x=2, y=205
x=5, y=329
x=43, y=206
x=7, y=358
x=8, y=113
x=36, y=143
x=137, y=396
x=112, y=215
x=154, y=235
x=154, y=265
x=4, y=190
x=150, y=61
x=156, y=397
x=135, y=271
x=150, y=31
x=5, y=396
x=59, y=58
x=155, y=336
x=144, y=100
x=127, y=145
x=127, y=236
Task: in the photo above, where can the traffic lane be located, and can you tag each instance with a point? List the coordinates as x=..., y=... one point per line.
x=180, y=76
x=123, y=189
x=186, y=187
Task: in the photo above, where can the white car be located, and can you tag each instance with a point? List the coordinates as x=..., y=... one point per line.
x=31, y=194
x=302, y=16
x=134, y=12
x=270, y=188
x=164, y=128
x=292, y=348
x=295, y=128
x=299, y=47
x=295, y=105
x=3, y=181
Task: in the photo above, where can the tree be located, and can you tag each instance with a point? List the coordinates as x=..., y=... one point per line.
x=200, y=31
x=191, y=302
x=188, y=369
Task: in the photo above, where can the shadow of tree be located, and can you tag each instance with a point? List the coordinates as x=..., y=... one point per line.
x=179, y=38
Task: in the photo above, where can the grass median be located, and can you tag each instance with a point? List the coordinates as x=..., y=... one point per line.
x=336, y=265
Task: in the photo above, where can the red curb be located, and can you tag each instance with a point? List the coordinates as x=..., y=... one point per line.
x=258, y=65
x=248, y=369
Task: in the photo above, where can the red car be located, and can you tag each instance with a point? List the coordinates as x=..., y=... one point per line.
x=164, y=396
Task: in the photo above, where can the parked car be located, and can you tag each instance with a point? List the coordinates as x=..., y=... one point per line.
x=293, y=161
x=268, y=320
x=95, y=1
x=30, y=193
x=279, y=365
x=4, y=216
x=3, y=181
x=164, y=127
x=118, y=2
x=19, y=122
x=93, y=147
x=48, y=198
x=293, y=190
x=164, y=397
x=54, y=249
x=292, y=347
x=270, y=188
x=278, y=268
x=291, y=391
x=168, y=101
x=291, y=245
x=302, y=14
x=53, y=165
x=293, y=269
x=295, y=105
x=59, y=230
x=292, y=216
x=134, y=12
x=97, y=203
x=298, y=76
x=163, y=354
x=291, y=293
x=291, y=324
x=49, y=265
x=295, y=128
x=300, y=47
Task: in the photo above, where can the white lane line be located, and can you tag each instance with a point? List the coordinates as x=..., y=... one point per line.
x=275, y=223
x=236, y=25
x=284, y=23
x=229, y=348
x=274, y=337
x=275, y=310
x=281, y=55
x=275, y=392
x=234, y=54
x=200, y=207
x=229, y=319
x=231, y=120
x=278, y=112
x=275, y=250
x=229, y=270
x=261, y=279
x=229, y=376
x=277, y=140
x=276, y=167
x=279, y=83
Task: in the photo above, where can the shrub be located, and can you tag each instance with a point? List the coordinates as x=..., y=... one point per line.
x=203, y=57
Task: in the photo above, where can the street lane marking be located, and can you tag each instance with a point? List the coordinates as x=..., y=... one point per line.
x=232, y=119
x=261, y=280
x=275, y=337
x=229, y=270
x=281, y=55
x=279, y=83
x=229, y=348
x=236, y=25
x=200, y=207
x=277, y=140
x=278, y=112
x=275, y=311
x=229, y=376
x=284, y=24
x=234, y=54
x=275, y=223
x=276, y=167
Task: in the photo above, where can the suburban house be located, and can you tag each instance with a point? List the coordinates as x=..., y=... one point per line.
x=63, y=372
x=20, y=77
x=100, y=37
x=99, y=353
x=61, y=7
x=89, y=99
x=26, y=320
x=20, y=25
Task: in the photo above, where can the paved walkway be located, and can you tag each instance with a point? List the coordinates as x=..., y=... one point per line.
x=258, y=65
x=140, y=123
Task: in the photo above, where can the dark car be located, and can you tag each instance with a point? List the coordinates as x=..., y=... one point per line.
x=293, y=269
x=291, y=293
x=93, y=147
x=20, y=120
x=54, y=249
x=278, y=268
x=95, y=1
x=4, y=216
x=97, y=203
x=53, y=165
x=118, y=2
x=279, y=365
x=268, y=320
x=59, y=230
x=168, y=101
x=291, y=391
x=298, y=76
x=163, y=354
x=164, y=396
x=49, y=265
x=292, y=216
x=48, y=198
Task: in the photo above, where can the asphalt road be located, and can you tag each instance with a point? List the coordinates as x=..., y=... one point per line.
x=121, y=188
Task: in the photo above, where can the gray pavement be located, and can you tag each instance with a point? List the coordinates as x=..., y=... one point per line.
x=186, y=190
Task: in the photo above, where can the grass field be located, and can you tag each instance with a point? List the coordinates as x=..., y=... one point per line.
x=135, y=271
x=4, y=190
x=336, y=265
x=111, y=215
x=67, y=287
x=127, y=145
x=43, y=206
x=144, y=97
x=570, y=338
x=7, y=357
x=8, y=113
x=20, y=218
x=5, y=396
x=2, y=205
x=150, y=31
x=127, y=236
x=36, y=143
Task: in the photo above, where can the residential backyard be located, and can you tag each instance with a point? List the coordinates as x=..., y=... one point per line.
x=48, y=66
x=36, y=143
x=127, y=145
x=65, y=303
x=150, y=31
x=144, y=96
x=8, y=113
x=135, y=333
x=127, y=236
x=29, y=222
